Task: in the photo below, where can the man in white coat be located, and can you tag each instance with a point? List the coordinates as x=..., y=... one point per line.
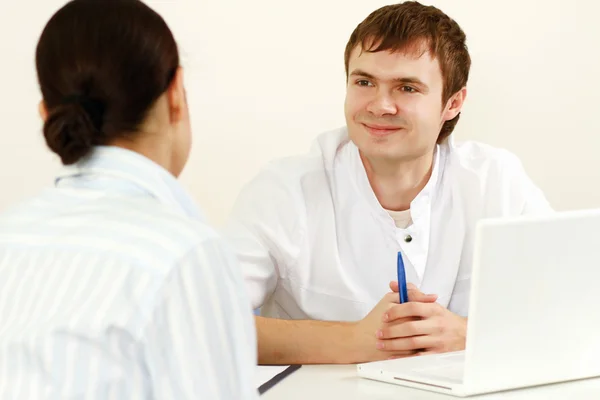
x=318, y=235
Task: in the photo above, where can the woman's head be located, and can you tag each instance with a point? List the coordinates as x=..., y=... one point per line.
x=109, y=75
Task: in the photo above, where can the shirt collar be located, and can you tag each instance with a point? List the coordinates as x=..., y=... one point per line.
x=134, y=169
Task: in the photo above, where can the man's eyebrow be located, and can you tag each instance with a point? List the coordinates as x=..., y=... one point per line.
x=360, y=72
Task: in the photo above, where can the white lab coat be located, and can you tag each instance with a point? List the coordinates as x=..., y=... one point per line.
x=314, y=242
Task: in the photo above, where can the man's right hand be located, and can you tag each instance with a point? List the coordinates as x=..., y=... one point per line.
x=365, y=330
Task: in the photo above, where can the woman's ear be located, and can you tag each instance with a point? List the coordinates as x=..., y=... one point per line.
x=43, y=111
x=177, y=97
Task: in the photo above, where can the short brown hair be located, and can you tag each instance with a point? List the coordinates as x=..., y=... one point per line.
x=404, y=27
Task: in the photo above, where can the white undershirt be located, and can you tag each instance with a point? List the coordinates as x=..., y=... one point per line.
x=402, y=218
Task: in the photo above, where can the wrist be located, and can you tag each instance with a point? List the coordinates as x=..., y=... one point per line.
x=355, y=348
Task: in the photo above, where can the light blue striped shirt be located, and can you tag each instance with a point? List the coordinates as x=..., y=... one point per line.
x=112, y=286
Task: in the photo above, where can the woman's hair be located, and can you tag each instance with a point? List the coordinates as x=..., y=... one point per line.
x=101, y=65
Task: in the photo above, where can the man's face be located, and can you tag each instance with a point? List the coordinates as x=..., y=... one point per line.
x=393, y=105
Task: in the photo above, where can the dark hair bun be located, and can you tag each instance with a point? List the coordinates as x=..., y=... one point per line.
x=99, y=85
x=70, y=132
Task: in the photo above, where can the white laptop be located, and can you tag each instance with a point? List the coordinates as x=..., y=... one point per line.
x=534, y=312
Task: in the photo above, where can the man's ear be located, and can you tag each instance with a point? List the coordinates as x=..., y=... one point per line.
x=455, y=104
x=43, y=111
x=177, y=97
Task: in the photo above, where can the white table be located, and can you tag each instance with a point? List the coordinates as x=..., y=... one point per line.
x=328, y=382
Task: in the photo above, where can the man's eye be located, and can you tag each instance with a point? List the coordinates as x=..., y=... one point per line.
x=363, y=82
x=408, y=89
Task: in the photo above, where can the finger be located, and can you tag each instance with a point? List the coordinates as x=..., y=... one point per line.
x=428, y=352
x=414, y=294
x=395, y=288
x=421, y=343
x=404, y=354
x=396, y=322
x=410, y=309
x=409, y=328
x=417, y=295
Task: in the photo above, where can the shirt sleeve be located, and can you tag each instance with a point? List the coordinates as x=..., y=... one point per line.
x=529, y=197
x=264, y=231
x=200, y=342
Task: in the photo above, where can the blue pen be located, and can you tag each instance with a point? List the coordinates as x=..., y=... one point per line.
x=402, y=280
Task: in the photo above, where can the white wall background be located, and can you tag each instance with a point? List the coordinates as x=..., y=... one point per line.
x=266, y=76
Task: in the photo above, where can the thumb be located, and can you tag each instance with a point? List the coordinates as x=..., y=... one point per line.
x=394, y=286
x=414, y=294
